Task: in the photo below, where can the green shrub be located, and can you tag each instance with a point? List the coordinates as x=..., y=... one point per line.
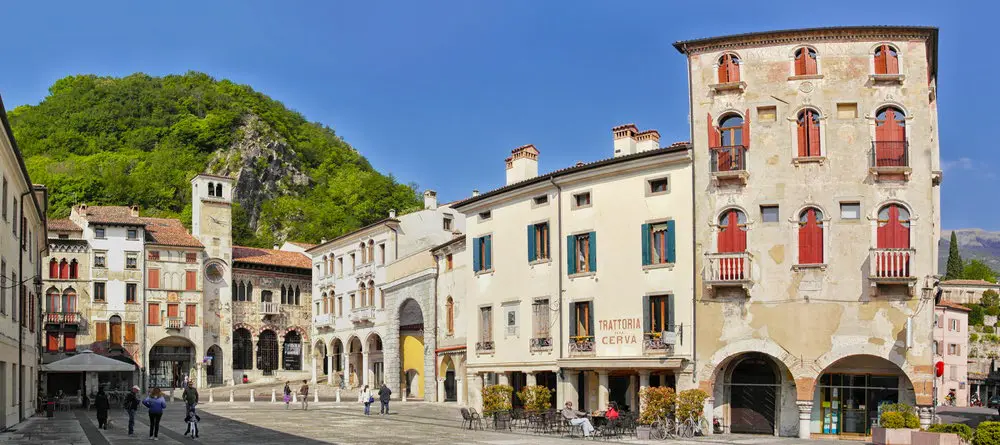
x=691, y=404
x=658, y=403
x=535, y=398
x=973, y=337
x=892, y=419
x=907, y=415
x=963, y=431
x=496, y=398
x=989, y=329
x=976, y=314
x=988, y=433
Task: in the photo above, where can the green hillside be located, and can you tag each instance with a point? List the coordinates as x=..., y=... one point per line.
x=139, y=140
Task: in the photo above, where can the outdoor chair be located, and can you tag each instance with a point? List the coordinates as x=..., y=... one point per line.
x=519, y=418
x=476, y=417
x=502, y=421
x=468, y=418
x=571, y=429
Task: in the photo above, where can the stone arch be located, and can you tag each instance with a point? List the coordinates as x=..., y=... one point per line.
x=737, y=387
x=214, y=367
x=711, y=371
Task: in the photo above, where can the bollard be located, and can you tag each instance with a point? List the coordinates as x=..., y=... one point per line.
x=230, y=396
x=251, y=396
x=273, y=399
x=211, y=396
x=338, y=395
x=402, y=397
x=316, y=396
x=294, y=398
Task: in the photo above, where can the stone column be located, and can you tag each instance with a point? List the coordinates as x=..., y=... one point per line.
x=459, y=391
x=632, y=393
x=603, y=391
x=710, y=415
x=364, y=369
x=926, y=414
x=530, y=379
x=253, y=358
x=805, y=414
x=643, y=384
x=333, y=371
x=569, y=392
x=502, y=378
x=312, y=364
x=440, y=390
x=198, y=369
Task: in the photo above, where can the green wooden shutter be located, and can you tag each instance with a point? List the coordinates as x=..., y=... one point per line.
x=671, y=242
x=646, y=259
x=531, y=243
x=571, y=255
x=593, y=252
x=572, y=320
x=489, y=252
x=590, y=321
x=647, y=321
x=670, y=314
x=475, y=255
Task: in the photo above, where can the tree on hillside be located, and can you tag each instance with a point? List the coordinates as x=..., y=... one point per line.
x=978, y=270
x=990, y=298
x=954, y=270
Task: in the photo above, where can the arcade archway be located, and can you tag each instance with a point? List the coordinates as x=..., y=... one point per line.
x=411, y=340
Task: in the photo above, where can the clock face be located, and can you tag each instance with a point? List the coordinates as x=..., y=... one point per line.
x=214, y=273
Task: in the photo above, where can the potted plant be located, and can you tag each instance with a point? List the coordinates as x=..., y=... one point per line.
x=944, y=434
x=896, y=425
x=657, y=404
x=535, y=398
x=496, y=398
x=691, y=405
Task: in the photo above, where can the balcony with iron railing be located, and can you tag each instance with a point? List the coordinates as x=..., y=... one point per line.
x=890, y=160
x=485, y=347
x=728, y=269
x=541, y=343
x=891, y=266
x=664, y=342
x=270, y=308
x=65, y=319
x=729, y=163
x=581, y=345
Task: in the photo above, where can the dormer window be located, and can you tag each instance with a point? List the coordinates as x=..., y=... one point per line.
x=805, y=61
x=729, y=68
x=886, y=60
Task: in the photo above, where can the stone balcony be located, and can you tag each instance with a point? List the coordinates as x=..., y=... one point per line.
x=363, y=315
x=270, y=308
x=891, y=266
x=728, y=269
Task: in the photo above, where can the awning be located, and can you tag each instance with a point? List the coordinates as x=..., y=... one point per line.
x=88, y=361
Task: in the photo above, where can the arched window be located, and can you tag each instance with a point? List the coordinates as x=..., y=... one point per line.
x=249, y=291
x=52, y=300
x=116, y=331
x=805, y=61
x=729, y=142
x=729, y=68
x=234, y=288
x=242, y=349
x=53, y=269
x=811, y=236
x=890, y=138
x=361, y=294
x=732, y=231
x=886, y=60
x=371, y=251
x=241, y=294
x=284, y=298
x=326, y=267
x=450, y=316
x=893, y=227
x=69, y=300
x=74, y=269
x=64, y=269
x=218, y=190
x=371, y=293
x=808, y=131
x=211, y=189
x=362, y=250
x=297, y=296
x=731, y=130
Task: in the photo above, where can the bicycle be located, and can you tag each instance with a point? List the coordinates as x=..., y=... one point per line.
x=662, y=429
x=691, y=427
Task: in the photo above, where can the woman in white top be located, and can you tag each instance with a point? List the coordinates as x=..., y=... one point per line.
x=366, y=397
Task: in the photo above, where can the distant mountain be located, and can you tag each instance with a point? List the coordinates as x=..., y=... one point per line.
x=974, y=244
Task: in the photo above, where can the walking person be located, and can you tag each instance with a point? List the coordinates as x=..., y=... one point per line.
x=102, y=405
x=192, y=418
x=156, y=404
x=383, y=396
x=288, y=394
x=366, y=397
x=304, y=392
x=131, y=405
x=190, y=395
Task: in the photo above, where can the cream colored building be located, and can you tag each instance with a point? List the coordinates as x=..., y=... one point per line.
x=23, y=242
x=966, y=291
x=560, y=289
x=951, y=348
x=817, y=171
x=452, y=319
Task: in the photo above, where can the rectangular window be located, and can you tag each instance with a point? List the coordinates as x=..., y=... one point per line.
x=769, y=213
x=661, y=185
x=381, y=254
x=850, y=210
x=449, y=262
x=99, y=232
x=69, y=341
x=99, y=291
x=100, y=259
x=538, y=242
x=485, y=324
x=584, y=253
x=13, y=220
x=340, y=306
x=954, y=372
x=767, y=114
x=540, y=318
x=3, y=286
x=131, y=260
x=132, y=234
x=191, y=280
x=190, y=315
x=153, y=255
x=129, y=332
x=102, y=331
x=153, y=279
x=354, y=263
x=581, y=200
x=658, y=243
x=953, y=325
x=191, y=257
x=52, y=342
x=582, y=323
x=482, y=253
x=153, y=316
x=485, y=215
x=130, y=292
x=173, y=310
x=847, y=111
x=446, y=223
x=659, y=313
x=541, y=200
x=340, y=266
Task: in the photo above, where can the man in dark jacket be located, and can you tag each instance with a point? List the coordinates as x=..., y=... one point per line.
x=131, y=405
x=383, y=396
x=190, y=396
x=102, y=405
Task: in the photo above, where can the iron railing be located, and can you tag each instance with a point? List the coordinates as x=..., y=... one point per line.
x=890, y=264
x=890, y=154
x=581, y=345
x=541, y=343
x=729, y=159
x=484, y=346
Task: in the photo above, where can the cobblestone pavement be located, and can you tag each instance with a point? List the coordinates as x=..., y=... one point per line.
x=323, y=423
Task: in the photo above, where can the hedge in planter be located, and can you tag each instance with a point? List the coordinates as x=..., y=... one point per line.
x=691, y=404
x=906, y=413
x=963, y=431
x=535, y=398
x=988, y=433
x=496, y=398
x=657, y=403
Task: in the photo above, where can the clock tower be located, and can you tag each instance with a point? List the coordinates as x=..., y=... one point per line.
x=211, y=219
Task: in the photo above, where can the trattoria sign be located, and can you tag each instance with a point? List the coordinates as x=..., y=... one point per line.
x=619, y=331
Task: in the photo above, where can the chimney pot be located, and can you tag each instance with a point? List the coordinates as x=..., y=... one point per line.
x=624, y=136
x=134, y=210
x=430, y=200
x=276, y=247
x=475, y=192
x=522, y=164
x=392, y=213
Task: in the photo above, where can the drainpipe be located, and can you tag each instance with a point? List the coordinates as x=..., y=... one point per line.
x=559, y=286
x=694, y=245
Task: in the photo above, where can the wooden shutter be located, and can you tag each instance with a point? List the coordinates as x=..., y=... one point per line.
x=810, y=61
x=153, y=316
x=893, y=235
x=810, y=240
x=803, y=134
x=647, y=319
x=571, y=257
x=476, y=266
x=531, y=243
x=800, y=62
x=670, y=321
x=671, y=241
x=153, y=282
x=52, y=342
x=53, y=269
x=746, y=129
x=191, y=280
x=129, y=332
x=116, y=333
x=488, y=255
x=590, y=318
x=812, y=124
x=734, y=70
x=69, y=341
x=731, y=237
x=714, y=138
x=572, y=320
x=646, y=257
x=880, y=59
x=891, y=61
x=724, y=69
x=173, y=310
x=102, y=331
x=190, y=316
x=592, y=263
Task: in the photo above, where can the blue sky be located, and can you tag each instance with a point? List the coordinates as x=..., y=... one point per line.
x=438, y=92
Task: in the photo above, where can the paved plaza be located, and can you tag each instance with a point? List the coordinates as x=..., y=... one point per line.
x=324, y=423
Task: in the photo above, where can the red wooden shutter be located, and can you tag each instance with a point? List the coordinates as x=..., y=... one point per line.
x=714, y=138
x=190, y=315
x=800, y=62
x=803, y=135
x=52, y=342
x=880, y=60
x=734, y=70
x=53, y=269
x=64, y=270
x=893, y=235
x=153, y=317
x=810, y=240
x=190, y=279
x=810, y=61
x=154, y=279
x=732, y=238
x=746, y=129
x=102, y=331
x=69, y=341
x=891, y=61
x=813, y=128
x=172, y=310
x=724, y=69
x=129, y=332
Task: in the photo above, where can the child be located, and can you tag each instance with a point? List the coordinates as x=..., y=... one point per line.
x=288, y=394
x=192, y=420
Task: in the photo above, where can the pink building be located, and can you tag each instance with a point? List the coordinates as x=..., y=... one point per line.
x=951, y=346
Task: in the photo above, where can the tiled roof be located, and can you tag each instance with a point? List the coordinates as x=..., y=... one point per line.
x=673, y=148
x=969, y=283
x=111, y=215
x=353, y=232
x=954, y=306
x=270, y=257
x=169, y=232
x=63, y=225
x=302, y=245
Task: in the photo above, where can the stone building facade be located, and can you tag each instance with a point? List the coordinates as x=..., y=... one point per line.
x=817, y=171
x=966, y=291
x=951, y=349
x=451, y=321
x=66, y=303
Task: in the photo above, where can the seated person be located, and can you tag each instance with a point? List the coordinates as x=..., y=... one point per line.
x=612, y=412
x=578, y=418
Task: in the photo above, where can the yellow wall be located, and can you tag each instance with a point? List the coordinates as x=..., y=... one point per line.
x=413, y=358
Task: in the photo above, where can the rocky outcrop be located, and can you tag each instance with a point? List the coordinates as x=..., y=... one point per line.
x=262, y=164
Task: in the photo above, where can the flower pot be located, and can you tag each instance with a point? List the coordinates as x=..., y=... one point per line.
x=925, y=438
x=891, y=436
x=642, y=432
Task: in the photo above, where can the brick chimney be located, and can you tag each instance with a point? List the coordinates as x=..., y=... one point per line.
x=134, y=210
x=475, y=192
x=430, y=200
x=522, y=164
x=624, y=139
x=647, y=140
